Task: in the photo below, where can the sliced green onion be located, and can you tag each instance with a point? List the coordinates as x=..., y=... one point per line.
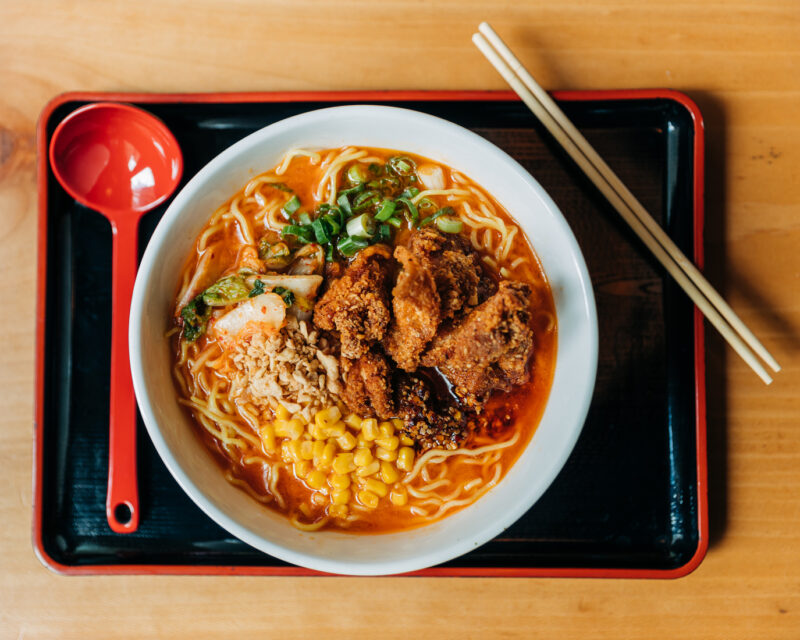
x=449, y=224
x=444, y=211
x=304, y=218
x=329, y=257
x=349, y=192
x=361, y=198
x=386, y=210
x=344, y=203
x=374, y=184
x=356, y=174
x=410, y=192
x=362, y=226
x=292, y=205
x=413, y=214
x=320, y=232
x=333, y=223
x=395, y=221
x=303, y=234
x=425, y=204
x=324, y=207
x=375, y=168
x=385, y=232
x=401, y=165
x=348, y=246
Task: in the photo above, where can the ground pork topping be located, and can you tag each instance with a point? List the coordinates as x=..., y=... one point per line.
x=293, y=367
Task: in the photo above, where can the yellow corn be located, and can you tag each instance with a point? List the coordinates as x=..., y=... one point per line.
x=339, y=481
x=282, y=413
x=343, y=463
x=389, y=443
x=307, y=450
x=406, y=441
x=338, y=511
x=368, y=499
x=268, y=438
x=377, y=487
x=286, y=455
x=300, y=418
x=340, y=497
x=399, y=495
x=318, y=447
x=319, y=499
x=383, y=454
x=398, y=423
x=317, y=432
x=362, y=457
x=361, y=441
x=372, y=467
x=294, y=450
x=369, y=428
x=353, y=421
x=405, y=458
x=327, y=417
x=326, y=459
x=386, y=429
x=336, y=429
x=389, y=473
x=316, y=479
x=347, y=441
x=302, y=468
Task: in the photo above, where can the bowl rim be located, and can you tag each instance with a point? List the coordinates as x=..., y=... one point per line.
x=157, y=244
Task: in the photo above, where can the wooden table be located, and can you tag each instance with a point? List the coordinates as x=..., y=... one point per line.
x=740, y=61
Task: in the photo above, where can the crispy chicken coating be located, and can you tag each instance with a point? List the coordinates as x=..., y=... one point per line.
x=490, y=348
x=368, y=385
x=357, y=304
x=416, y=306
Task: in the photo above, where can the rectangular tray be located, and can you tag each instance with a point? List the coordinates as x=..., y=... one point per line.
x=631, y=500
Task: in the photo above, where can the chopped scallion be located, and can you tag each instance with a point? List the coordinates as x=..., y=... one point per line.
x=386, y=210
x=348, y=245
x=401, y=165
x=292, y=205
x=413, y=214
x=304, y=218
x=385, y=232
x=356, y=174
x=362, y=226
x=344, y=203
x=333, y=223
x=320, y=232
x=395, y=221
x=449, y=224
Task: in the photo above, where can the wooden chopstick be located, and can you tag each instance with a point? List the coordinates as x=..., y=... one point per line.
x=710, y=303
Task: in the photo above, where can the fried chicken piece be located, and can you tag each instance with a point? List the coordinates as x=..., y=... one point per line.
x=368, y=385
x=490, y=348
x=430, y=421
x=416, y=306
x=357, y=304
x=454, y=265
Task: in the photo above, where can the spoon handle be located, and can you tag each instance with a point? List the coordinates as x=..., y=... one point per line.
x=122, y=498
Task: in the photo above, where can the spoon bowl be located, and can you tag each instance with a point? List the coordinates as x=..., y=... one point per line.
x=121, y=161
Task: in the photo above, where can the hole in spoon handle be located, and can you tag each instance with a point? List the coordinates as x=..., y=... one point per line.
x=122, y=498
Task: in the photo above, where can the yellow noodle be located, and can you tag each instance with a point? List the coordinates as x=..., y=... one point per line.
x=274, y=472
x=247, y=488
x=313, y=157
x=244, y=225
x=255, y=184
x=439, y=192
x=314, y=526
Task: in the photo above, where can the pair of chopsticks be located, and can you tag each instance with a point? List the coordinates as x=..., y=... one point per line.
x=707, y=299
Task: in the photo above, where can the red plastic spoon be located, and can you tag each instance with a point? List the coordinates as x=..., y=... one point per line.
x=122, y=162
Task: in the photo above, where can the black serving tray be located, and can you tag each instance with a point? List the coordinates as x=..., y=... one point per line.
x=631, y=499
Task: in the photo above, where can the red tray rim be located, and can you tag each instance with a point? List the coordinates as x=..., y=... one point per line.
x=388, y=96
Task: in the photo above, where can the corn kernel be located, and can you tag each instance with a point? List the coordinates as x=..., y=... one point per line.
x=319, y=499
x=300, y=418
x=405, y=458
x=338, y=511
x=353, y=421
x=340, y=497
x=362, y=442
x=318, y=447
x=326, y=459
x=398, y=423
x=347, y=441
x=336, y=429
x=399, y=495
x=327, y=417
x=372, y=467
x=343, y=463
x=282, y=413
x=368, y=499
x=268, y=438
x=383, y=454
x=377, y=487
x=286, y=454
x=316, y=479
x=307, y=450
x=362, y=457
x=302, y=468
x=369, y=428
x=386, y=429
x=406, y=441
x=389, y=473
x=317, y=432
x=294, y=450
x=339, y=481
x=389, y=443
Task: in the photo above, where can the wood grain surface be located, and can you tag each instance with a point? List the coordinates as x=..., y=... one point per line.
x=739, y=60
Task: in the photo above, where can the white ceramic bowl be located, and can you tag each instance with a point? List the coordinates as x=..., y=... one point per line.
x=191, y=464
